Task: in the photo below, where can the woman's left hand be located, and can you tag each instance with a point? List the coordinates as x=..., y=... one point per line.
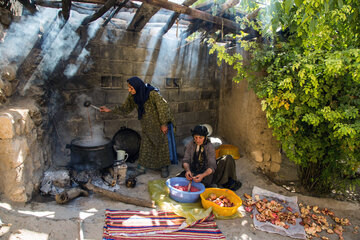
x=164, y=129
x=198, y=178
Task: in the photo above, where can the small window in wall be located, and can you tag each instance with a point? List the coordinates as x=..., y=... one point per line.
x=111, y=82
x=172, y=82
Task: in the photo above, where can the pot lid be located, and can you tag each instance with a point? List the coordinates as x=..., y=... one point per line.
x=128, y=140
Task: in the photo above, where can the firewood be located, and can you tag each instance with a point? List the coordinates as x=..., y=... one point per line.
x=119, y=197
x=68, y=195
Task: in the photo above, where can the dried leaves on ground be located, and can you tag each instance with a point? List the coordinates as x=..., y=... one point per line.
x=318, y=222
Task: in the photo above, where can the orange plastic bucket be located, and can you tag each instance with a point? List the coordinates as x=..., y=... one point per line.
x=227, y=149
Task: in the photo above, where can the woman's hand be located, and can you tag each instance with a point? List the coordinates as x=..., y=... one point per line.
x=198, y=178
x=104, y=109
x=164, y=129
x=188, y=175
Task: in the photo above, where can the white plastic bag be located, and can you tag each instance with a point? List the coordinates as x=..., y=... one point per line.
x=294, y=231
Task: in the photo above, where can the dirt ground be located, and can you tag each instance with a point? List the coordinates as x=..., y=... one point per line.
x=83, y=218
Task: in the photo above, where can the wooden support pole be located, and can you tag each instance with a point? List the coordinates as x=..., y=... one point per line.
x=119, y=197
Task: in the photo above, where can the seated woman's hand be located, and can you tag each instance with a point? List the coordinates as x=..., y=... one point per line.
x=189, y=175
x=198, y=178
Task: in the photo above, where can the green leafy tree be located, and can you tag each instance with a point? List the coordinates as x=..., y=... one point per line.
x=309, y=54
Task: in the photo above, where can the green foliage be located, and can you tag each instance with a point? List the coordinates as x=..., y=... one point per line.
x=310, y=88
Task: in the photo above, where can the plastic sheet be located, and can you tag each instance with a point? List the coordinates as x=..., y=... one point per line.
x=159, y=193
x=294, y=231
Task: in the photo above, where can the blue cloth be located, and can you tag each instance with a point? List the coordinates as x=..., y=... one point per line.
x=142, y=93
x=172, y=145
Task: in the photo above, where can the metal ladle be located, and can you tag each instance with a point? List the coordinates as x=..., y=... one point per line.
x=88, y=104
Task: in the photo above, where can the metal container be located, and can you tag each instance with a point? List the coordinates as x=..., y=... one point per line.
x=90, y=154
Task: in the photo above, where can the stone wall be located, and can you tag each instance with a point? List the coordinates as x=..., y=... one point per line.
x=22, y=154
x=243, y=124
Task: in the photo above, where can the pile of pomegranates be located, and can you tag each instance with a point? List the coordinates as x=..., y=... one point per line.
x=222, y=200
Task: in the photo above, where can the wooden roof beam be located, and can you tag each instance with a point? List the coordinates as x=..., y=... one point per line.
x=179, y=9
x=142, y=16
x=99, y=13
x=115, y=12
x=170, y=22
x=66, y=6
x=194, y=13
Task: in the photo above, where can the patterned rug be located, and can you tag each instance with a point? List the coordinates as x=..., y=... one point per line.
x=157, y=225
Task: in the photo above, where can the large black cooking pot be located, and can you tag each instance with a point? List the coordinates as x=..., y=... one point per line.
x=90, y=154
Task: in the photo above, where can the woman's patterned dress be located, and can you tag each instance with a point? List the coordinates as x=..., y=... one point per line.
x=154, y=149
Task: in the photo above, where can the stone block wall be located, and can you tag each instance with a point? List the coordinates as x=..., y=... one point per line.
x=22, y=160
x=188, y=78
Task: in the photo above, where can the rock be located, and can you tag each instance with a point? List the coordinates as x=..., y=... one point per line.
x=21, y=156
x=257, y=156
x=267, y=157
x=276, y=157
x=274, y=167
x=6, y=127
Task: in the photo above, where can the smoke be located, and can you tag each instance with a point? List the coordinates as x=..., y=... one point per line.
x=58, y=42
x=166, y=55
x=96, y=130
x=71, y=69
x=64, y=44
x=22, y=35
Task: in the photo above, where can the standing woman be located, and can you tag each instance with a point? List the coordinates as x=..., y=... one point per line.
x=154, y=115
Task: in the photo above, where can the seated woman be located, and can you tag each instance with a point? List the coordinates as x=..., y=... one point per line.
x=200, y=165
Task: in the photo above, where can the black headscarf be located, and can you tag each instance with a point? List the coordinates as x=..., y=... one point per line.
x=142, y=93
x=200, y=130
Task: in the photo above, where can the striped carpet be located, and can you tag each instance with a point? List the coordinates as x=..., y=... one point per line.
x=157, y=225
